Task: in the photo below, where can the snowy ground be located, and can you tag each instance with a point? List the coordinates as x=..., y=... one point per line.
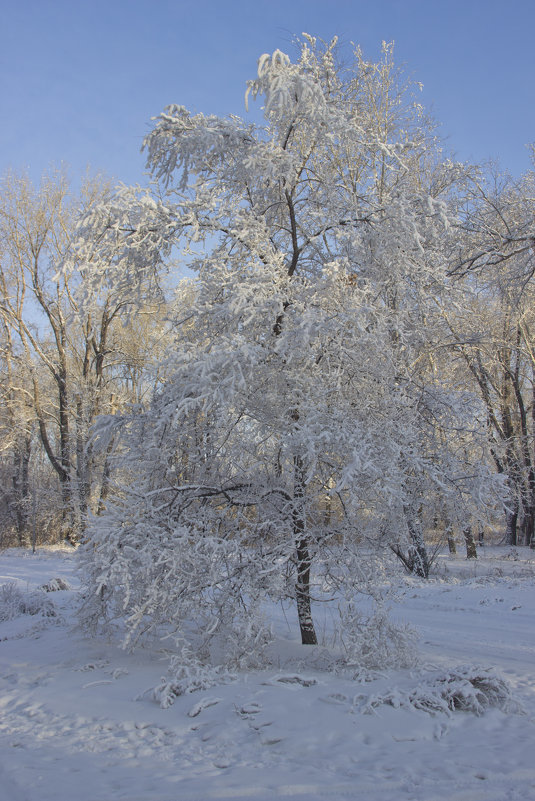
x=76, y=722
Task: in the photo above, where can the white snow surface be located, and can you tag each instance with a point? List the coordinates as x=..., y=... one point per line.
x=78, y=721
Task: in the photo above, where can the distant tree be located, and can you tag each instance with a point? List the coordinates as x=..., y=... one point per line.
x=16, y=424
x=65, y=346
x=493, y=332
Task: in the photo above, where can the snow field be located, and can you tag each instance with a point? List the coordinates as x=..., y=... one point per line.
x=78, y=720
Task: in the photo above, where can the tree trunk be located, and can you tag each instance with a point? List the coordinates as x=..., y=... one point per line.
x=69, y=516
x=511, y=517
x=471, y=549
x=21, y=487
x=83, y=465
x=451, y=543
x=106, y=472
x=528, y=520
x=532, y=472
x=302, y=594
x=417, y=559
x=302, y=549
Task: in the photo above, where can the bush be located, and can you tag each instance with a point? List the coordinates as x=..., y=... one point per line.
x=14, y=602
x=376, y=641
x=465, y=689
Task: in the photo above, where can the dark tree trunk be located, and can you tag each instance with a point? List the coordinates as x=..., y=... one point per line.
x=21, y=487
x=105, y=483
x=417, y=558
x=83, y=465
x=304, y=561
x=471, y=549
x=527, y=524
x=451, y=543
x=532, y=472
x=302, y=594
x=511, y=517
x=69, y=526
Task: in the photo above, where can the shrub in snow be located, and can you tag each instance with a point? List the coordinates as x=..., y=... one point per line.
x=55, y=585
x=180, y=584
x=187, y=674
x=11, y=601
x=246, y=641
x=14, y=602
x=466, y=689
x=376, y=641
x=475, y=689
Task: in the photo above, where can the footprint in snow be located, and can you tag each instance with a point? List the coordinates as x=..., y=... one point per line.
x=97, y=665
x=248, y=710
x=339, y=699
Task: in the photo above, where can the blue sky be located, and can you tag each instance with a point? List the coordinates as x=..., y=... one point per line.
x=79, y=81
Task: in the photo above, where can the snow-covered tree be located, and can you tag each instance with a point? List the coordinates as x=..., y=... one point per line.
x=301, y=428
x=493, y=331
x=66, y=354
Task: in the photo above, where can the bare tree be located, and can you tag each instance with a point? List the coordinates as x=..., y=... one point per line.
x=72, y=348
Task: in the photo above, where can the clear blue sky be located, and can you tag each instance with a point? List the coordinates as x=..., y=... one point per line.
x=80, y=80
